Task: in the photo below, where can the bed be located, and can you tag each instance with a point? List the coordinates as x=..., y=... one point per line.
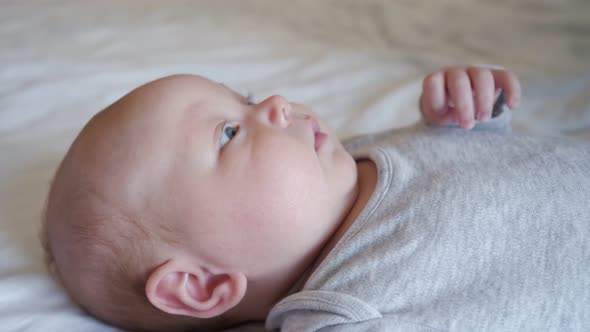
x=357, y=63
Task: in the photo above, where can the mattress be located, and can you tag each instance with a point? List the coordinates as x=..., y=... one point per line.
x=359, y=64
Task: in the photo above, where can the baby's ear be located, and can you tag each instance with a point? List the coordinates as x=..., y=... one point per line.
x=182, y=289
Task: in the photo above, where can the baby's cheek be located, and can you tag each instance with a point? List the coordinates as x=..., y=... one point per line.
x=288, y=182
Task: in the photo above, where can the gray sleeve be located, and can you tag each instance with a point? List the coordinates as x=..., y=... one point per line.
x=316, y=310
x=385, y=324
x=329, y=324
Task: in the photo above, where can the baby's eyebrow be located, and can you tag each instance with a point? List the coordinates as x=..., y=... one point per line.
x=238, y=96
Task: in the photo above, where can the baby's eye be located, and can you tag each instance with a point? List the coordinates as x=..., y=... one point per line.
x=228, y=132
x=250, y=99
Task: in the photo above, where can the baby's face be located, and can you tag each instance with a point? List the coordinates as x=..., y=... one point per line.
x=257, y=185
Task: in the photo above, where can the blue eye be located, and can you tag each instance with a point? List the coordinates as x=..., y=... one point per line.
x=227, y=133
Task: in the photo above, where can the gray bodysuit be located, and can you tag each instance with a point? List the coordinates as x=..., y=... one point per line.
x=466, y=231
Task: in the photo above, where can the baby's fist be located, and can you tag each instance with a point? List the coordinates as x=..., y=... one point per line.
x=465, y=95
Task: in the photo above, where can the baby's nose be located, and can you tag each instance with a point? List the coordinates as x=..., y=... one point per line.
x=279, y=110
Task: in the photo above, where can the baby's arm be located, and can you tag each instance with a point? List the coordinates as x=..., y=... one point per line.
x=464, y=95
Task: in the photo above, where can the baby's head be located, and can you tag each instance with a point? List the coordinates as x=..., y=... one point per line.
x=183, y=204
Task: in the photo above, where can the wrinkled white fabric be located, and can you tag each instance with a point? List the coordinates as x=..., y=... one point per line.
x=357, y=63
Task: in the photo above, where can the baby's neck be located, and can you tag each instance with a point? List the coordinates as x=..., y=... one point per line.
x=367, y=180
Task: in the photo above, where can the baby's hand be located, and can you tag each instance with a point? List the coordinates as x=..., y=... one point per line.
x=465, y=95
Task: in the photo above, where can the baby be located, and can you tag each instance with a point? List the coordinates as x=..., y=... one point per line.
x=185, y=205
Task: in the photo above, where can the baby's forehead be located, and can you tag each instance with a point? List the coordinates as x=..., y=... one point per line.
x=196, y=91
x=165, y=113
x=167, y=99
x=194, y=83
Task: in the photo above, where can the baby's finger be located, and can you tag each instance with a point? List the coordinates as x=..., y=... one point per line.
x=508, y=82
x=434, y=96
x=482, y=81
x=459, y=88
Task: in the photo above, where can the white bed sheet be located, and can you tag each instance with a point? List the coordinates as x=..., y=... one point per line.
x=358, y=63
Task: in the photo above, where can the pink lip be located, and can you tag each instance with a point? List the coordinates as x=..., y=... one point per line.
x=319, y=136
